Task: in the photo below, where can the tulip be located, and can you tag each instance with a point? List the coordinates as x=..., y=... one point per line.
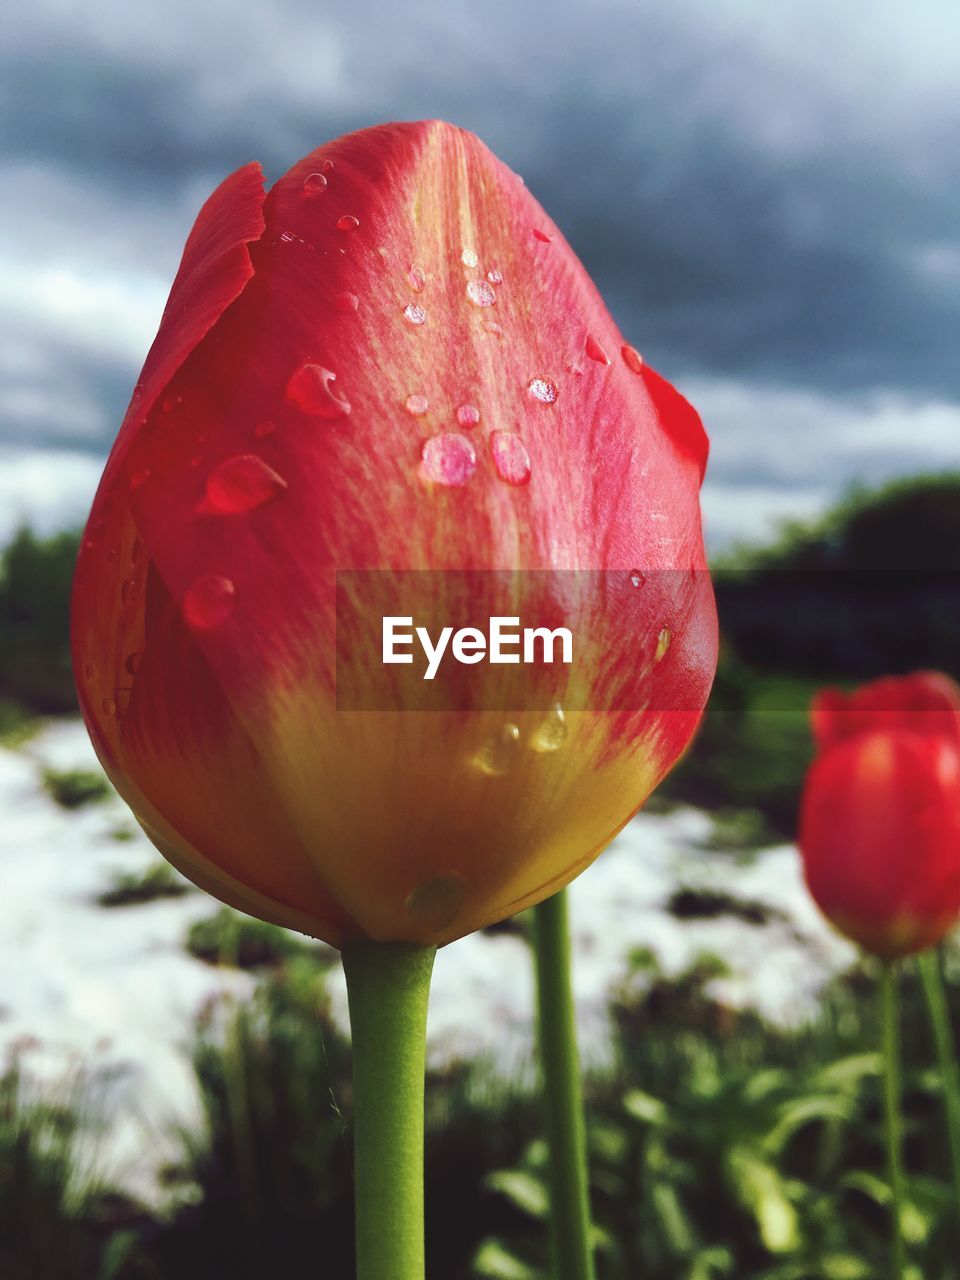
x=391, y=362
x=880, y=839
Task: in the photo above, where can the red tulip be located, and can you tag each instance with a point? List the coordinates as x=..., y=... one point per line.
x=393, y=361
x=926, y=702
x=880, y=818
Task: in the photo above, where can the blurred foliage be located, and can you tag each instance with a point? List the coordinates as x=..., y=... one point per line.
x=720, y=1147
x=35, y=578
x=231, y=938
x=57, y=1222
x=72, y=788
x=130, y=889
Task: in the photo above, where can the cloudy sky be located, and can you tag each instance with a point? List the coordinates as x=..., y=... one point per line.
x=767, y=195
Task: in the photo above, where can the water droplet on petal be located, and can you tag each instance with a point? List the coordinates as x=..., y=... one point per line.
x=495, y=276
x=311, y=389
x=448, y=459
x=287, y=237
x=264, y=429
x=637, y=579
x=241, y=484
x=632, y=358
x=510, y=457
x=435, y=904
x=543, y=389
x=417, y=406
x=209, y=601
x=468, y=415
x=469, y=258
x=417, y=279
x=346, y=302
x=542, y=235
x=552, y=731
x=314, y=184
x=129, y=591
x=121, y=699
x=109, y=706
x=500, y=752
x=481, y=293
x=491, y=326
x=132, y=663
x=415, y=313
x=326, y=166
x=89, y=671
x=348, y=222
x=663, y=644
x=595, y=351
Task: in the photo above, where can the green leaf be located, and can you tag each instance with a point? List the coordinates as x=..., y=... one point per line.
x=493, y=1262
x=645, y=1108
x=524, y=1191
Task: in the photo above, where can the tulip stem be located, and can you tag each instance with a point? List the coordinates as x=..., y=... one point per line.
x=388, y=986
x=570, y=1230
x=933, y=987
x=894, y=1121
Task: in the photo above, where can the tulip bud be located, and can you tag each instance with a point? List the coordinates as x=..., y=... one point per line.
x=880, y=839
x=925, y=702
x=392, y=362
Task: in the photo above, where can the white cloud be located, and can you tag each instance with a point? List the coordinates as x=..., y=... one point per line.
x=49, y=489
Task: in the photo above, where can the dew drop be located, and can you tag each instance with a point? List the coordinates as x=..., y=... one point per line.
x=542, y=236
x=209, y=601
x=435, y=904
x=314, y=184
x=264, y=429
x=415, y=313
x=326, y=166
x=89, y=671
x=637, y=579
x=543, y=389
x=468, y=415
x=491, y=326
x=500, y=752
x=109, y=706
x=595, y=351
x=448, y=459
x=663, y=644
x=417, y=406
x=481, y=293
x=510, y=457
x=551, y=734
x=111, y=555
x=348, y=222
x=121, y=699
x=469, y=258
x=286, y=237
x=495, y=276
x=132, y=663
x=632, y=358
x=129, y=591
x=346, y=302
x=417, y=279
x=241, y=484
x=311, y=389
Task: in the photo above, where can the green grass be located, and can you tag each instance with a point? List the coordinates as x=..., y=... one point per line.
x=231, y=938
x=73, y=788
x=133, y=889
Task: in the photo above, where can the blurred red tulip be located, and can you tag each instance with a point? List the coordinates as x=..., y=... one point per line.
x=880, y=818
x=393, y=361
x=925, y=702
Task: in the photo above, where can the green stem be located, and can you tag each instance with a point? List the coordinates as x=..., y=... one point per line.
x=946, y=1054
x=388, y=986
x=570, y=1230
x=894, y=1123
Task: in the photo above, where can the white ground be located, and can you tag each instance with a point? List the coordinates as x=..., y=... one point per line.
x=114, y=988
